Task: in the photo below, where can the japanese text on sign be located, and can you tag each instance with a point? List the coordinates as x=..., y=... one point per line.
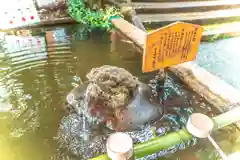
x=171, y=45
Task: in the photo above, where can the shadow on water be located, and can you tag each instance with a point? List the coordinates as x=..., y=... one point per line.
x=38, y=69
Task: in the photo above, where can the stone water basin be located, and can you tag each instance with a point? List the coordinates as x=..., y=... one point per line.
x=158, y=119
x=36, y=78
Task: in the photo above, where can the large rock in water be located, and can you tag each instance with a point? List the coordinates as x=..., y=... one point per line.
x=140, y=110
x=111, y=97
x=116, y=98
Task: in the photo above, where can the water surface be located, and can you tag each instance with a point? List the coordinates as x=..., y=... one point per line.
x=38, y=69
x=36, y=74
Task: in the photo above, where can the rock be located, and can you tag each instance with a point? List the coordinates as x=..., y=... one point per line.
x=116, y=98
x=139, y=111
x=58, y=4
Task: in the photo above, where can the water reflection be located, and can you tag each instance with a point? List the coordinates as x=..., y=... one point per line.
x=38, y=68
x=36, y=82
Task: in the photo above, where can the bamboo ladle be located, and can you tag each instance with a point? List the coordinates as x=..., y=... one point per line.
x=200, y=125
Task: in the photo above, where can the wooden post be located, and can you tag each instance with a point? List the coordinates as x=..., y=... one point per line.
x=101, y=4
x=36, y=5
x=137, y=34
x=137, y=21
x=114, y=40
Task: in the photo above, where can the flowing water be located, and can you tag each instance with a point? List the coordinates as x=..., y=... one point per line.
x=39, y=68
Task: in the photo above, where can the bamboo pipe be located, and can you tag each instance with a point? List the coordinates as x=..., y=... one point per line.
x=160, y=143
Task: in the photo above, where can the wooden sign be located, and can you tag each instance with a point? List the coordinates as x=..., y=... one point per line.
x=171, y=45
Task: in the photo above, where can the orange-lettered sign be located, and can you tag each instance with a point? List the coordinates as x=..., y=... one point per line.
x=171, y=45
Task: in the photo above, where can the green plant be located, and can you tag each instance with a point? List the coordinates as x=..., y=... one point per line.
x=94, y=19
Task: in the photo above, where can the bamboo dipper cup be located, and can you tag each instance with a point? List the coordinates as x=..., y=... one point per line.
x=200, y=125
x=120, y=146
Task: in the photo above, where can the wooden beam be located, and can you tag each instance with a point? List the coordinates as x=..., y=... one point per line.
x=132, y=32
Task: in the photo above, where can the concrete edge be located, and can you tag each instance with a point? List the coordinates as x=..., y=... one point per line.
x=217, y=92
x=168, y=0
x=220, y=33
x=44, y=23
x=173, y=7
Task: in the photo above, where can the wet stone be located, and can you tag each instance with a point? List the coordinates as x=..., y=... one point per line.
x=53, y=10
x=52, y=15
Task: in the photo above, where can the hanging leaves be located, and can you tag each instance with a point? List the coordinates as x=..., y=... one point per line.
x=95, y=19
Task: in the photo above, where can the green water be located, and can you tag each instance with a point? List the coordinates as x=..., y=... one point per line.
x=36, y=74
x=36, y=79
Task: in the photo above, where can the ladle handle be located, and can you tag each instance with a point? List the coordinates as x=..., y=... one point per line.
x=218, y=149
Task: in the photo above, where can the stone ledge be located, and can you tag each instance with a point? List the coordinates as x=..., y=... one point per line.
x=220, y=33
x=216, y=91
x=183, y=7
x=201, y=18
x=45, y=23
x=168, y=0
